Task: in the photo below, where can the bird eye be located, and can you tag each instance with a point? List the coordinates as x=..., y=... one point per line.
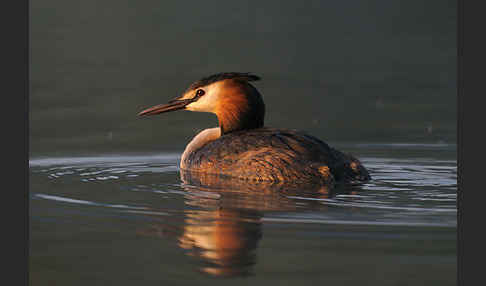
x=199, y=92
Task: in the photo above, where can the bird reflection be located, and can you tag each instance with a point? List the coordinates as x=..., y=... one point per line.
x=226, y=237
x=226, y=240
x=222, y=225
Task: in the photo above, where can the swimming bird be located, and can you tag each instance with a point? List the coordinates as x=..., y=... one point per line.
x=242, y=147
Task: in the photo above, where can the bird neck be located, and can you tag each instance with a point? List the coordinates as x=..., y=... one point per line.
x=243, y=110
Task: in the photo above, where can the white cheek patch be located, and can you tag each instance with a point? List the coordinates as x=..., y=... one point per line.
x=201, y=105
x=208, y=102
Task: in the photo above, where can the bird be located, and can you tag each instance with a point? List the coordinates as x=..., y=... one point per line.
x=243, y=148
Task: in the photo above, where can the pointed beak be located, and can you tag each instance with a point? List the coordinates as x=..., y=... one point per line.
x=161, y=108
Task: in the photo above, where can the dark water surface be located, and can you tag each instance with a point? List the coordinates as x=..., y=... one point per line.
x=130, y=219
x=360, y=71
x=107, y=203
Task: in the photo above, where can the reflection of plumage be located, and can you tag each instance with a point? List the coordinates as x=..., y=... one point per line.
x=226, y=239
x=243, y=148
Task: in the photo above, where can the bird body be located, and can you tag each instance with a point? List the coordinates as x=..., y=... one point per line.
x=268, y=154
x=241, y=147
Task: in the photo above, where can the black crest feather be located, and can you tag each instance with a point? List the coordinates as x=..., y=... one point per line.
x=222, y=76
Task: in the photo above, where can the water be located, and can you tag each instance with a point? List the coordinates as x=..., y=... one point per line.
x=109, y=207
x=126, y=219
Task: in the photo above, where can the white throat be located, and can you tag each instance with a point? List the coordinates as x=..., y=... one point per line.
x=200, y=140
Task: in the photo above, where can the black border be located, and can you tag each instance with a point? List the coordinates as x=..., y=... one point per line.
x=471, y=171
x=460, y=96
x=15, y=134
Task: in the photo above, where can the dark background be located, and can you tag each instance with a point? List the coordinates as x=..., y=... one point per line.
x=355, y=71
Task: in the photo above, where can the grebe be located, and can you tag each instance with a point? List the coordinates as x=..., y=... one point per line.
x=241, y=147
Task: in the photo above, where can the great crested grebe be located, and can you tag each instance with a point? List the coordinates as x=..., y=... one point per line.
x=241, y=147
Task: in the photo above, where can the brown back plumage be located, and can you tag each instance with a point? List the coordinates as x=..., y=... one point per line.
x=277, y=155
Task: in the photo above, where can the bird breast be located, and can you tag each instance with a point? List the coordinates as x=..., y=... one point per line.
x=201, y=139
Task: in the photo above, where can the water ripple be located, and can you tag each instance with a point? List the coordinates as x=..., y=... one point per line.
x=410, y=191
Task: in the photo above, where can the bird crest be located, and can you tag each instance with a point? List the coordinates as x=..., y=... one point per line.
x=239, y=76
